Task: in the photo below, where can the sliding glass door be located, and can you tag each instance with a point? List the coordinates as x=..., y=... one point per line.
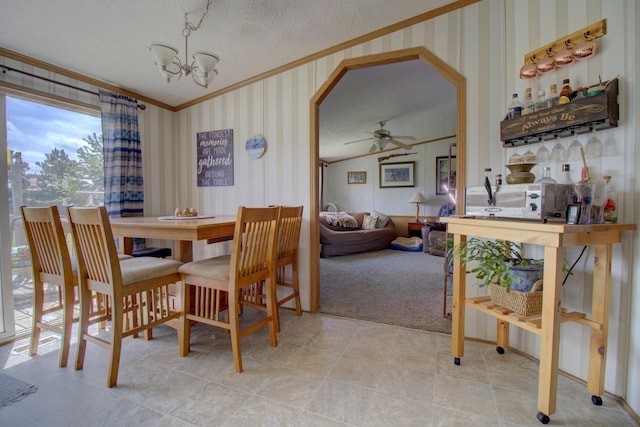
x=52, y=156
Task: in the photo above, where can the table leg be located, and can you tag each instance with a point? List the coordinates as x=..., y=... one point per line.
x=502, y=335
x=457, y=305
x=550, y=332
x=600, y=315
x=184, y=251
x=125, y=245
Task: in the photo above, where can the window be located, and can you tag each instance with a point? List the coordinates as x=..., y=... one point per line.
x=54, y=156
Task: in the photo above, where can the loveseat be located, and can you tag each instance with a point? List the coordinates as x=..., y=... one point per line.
x=348, y=237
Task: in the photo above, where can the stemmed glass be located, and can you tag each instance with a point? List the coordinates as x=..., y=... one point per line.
x=558, y=153
x=543, y=155
x=594, y=147
x=528, y=157
x=574, y=149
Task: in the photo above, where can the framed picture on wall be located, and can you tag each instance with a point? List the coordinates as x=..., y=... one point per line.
x=445, y=174
x=397, y=174
x=358, y=177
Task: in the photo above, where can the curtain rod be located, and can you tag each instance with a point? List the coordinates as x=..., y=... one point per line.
x=5, y=69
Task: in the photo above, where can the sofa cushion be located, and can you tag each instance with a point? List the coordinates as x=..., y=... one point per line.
x=369, y=222
x=382, y=219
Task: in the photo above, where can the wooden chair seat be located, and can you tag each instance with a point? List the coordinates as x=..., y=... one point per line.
x=137, y=289
x=212, y=286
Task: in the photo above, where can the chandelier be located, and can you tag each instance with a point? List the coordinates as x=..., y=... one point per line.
x=203, y=67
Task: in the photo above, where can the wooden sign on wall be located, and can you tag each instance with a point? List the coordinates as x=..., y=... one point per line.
x=215, y=158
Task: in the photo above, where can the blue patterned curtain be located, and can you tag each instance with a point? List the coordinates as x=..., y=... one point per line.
x=123, y=184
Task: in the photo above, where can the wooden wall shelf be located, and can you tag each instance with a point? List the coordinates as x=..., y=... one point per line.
x=594, y=31
x=579, y=116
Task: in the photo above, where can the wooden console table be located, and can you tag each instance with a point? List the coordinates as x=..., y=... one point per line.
x=553, y=237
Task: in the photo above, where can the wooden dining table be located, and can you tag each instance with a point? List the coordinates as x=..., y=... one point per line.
x=183, y=231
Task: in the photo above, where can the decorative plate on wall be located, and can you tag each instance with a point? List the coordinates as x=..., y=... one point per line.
x=255, y=146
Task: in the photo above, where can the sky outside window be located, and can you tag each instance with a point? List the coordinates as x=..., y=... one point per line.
x=35, y=129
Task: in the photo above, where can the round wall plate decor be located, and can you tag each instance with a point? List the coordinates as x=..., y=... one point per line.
x=255, y=146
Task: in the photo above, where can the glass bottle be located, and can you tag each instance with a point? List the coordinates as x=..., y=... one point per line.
x=529, y=106
x=565, y=176
x=611, y=207
x=515, y=107
x=542, y=100
x=552, y=101
x=546, y=176
x=565, y=92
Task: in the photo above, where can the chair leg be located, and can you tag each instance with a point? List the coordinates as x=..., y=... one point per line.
x=184, y=331
x=83, y=328
x=38, y=302
x=272, y=311
x=234, y=330
x=296, y=287
x=67, y=323
x=116, y=346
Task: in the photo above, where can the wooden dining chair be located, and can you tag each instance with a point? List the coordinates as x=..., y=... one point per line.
x=137, y=289
x=213, y=285
x=52, y=266
x=289, y=224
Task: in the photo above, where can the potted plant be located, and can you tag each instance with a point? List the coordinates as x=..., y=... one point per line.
x=500, y=262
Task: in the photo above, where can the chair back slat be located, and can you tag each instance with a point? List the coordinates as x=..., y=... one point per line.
x=47, y=242
x=95, y=246
x=289, y=231
x=51, y=264
x=254, y=243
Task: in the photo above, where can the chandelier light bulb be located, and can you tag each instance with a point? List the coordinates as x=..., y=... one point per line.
x=202, y=69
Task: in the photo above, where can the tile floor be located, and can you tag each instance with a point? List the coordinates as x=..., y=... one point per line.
x=326, y=371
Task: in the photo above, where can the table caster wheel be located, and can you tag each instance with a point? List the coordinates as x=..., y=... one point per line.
x=500, y=350
x=456, y=361
x=544, y=419
x=596, y=400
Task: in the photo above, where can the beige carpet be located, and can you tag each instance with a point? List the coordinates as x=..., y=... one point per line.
x=394, y=287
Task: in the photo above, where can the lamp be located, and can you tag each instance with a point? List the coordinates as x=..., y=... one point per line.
x=203, y=67
x=418, y=199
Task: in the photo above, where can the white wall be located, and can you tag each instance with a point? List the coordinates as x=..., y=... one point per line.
x=391, y=201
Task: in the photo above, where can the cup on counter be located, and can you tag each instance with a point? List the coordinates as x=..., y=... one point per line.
x=592, y=198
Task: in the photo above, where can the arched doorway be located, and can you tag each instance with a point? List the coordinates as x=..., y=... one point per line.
x=368, y=61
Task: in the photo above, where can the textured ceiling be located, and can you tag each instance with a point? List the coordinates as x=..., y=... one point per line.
x=107, y=40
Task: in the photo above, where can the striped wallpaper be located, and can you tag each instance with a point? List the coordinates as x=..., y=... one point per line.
x=486, y=43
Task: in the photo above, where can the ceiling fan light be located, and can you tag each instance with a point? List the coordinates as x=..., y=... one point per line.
x=163, y=55
x=381, y=143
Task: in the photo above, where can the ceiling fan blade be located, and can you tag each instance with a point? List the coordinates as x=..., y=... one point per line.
x=359, y=140
x=373, y=148
x=400, y=144
x=413, y=138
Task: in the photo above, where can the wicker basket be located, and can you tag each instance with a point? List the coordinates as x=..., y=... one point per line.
x=523, y=303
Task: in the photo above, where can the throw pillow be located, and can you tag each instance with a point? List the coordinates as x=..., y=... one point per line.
x=369, y=222
x=382, y=219
x=339, y=219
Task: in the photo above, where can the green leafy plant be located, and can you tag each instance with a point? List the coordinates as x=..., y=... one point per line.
x=493, y=260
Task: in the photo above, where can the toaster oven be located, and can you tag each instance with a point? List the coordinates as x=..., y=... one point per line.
x=541, y=202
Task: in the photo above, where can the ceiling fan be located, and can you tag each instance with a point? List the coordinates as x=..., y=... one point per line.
x=381, y=137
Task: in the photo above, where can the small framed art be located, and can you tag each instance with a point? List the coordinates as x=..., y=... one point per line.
x=358, y=177
x=445, y=176
x=397, y=174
